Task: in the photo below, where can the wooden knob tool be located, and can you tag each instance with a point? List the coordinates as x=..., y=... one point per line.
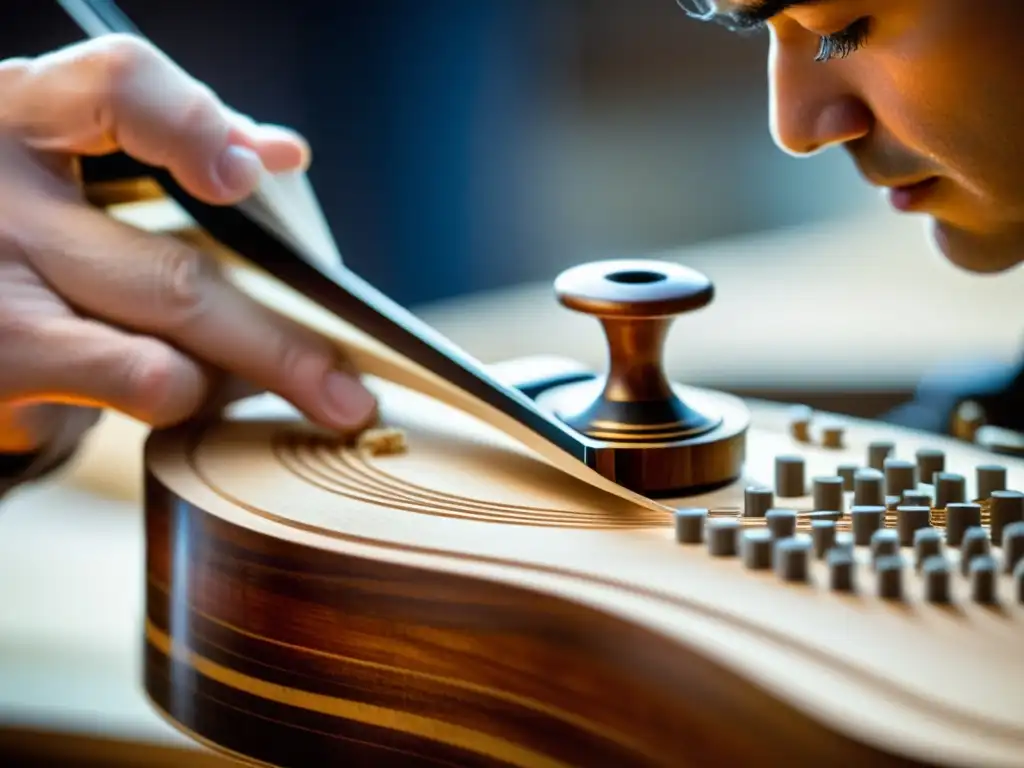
x=668, y=439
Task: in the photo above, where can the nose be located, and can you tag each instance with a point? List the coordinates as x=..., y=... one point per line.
x=812, y=107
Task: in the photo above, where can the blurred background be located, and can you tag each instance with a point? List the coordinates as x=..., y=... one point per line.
x=463, y=145
x=466, y=151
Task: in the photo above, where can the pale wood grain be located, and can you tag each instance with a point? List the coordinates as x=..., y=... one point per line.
x=460, y=502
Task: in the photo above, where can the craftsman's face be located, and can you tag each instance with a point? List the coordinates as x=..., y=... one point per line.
x=914, y=90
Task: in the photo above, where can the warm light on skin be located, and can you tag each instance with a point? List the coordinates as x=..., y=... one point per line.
x=56, y=398
x=932, y=90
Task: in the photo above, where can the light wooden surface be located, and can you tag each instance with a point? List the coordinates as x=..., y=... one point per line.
x=70, y=648
x=465, y=501
x=861, y=302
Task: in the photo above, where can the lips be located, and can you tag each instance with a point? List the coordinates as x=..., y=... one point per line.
x=910, y=197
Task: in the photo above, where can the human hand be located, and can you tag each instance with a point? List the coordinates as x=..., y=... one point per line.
x=95, y=313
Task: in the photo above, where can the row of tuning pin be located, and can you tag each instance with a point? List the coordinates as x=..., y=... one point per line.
x=883, y=469
x=802, y=428
x=778, y=546
x=914, y=492
x=889, y=481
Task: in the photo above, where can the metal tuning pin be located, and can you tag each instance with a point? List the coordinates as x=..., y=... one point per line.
x=916, y=499
x=909, y=520
x=756, y=548
x=723, y=536
x=823, y=535
x=890, y=576
x=959, y=518
x=865, y=521
x=878, y=452
x=800, y=423
x=935, y=572
x=989, y=478
x=929, y=461
x=1013, y=546
x=927, y=544
x=690, y=522
x=982, y=574
x=827, y=494
x=950, y=488
x=868, y=488
x=885, y=542
x=757, y=501
x=842, y=569
x=900, y=476
x=790, y=478
x=975, y=544
x=791, y=559
x=847, y=471
x=781, y=522
x=1007, y=508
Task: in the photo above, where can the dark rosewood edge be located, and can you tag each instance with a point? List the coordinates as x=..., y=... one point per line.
x=351, y=298
x=547, y=677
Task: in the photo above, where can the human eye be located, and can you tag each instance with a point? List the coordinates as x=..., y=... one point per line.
x=841, y=44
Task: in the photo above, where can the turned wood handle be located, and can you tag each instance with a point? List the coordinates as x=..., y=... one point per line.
x=633, y=289
x=636, y=301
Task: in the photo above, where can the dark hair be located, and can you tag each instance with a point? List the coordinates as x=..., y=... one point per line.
x=698, y=9
x=708, y=10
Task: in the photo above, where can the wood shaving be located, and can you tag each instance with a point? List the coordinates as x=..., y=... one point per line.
x=382, y=441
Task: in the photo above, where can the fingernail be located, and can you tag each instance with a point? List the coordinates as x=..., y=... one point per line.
x=274, y=132
x=291, y=139
x=238, y=170
x=349, y=402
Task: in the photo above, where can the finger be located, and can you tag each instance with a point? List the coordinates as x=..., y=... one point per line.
x=120, y=92
x=225, y=390
x=279, y=147
x=80, y=362
x=159, y=285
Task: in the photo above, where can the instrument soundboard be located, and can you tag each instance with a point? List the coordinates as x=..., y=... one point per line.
x=845, y=592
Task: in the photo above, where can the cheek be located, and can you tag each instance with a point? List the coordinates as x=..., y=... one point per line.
x=956, y=104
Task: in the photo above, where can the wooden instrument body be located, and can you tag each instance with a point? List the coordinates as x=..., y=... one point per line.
x=463, y=603
x=466, y=604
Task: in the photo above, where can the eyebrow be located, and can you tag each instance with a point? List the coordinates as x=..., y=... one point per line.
x=753, y=16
